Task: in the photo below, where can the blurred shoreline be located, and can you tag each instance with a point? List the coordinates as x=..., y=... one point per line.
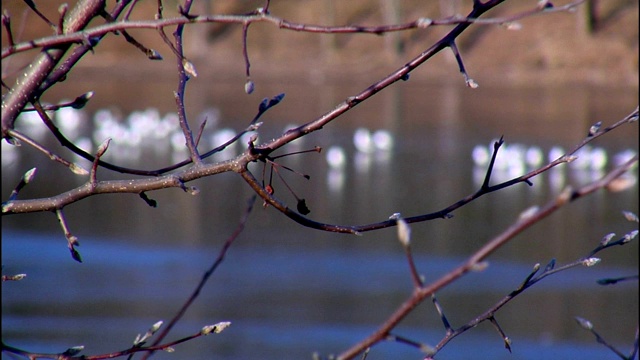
x=551, y=49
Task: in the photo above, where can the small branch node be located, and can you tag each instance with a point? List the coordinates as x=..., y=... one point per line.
x=189, y=68
x=468, y=81
x=216, y=328
x=550, y=266
x=94, y=168
x=440, y=311
x=592, y=261
x=594, y=129
x=487, y=177
x=529, y=213
x=479, y=266
x=512, y=25
x=606, y=239
x=26, y=178
x=249, y=86
x=565, y=196
x=149, y=201
x=62, y=10
x=6, y=22
x=142, y=339
x=527, y=281
x=424, y=22
x=584, y=323
x=72, y=241
x=631, y=216
x=505, y=338
x=16, y=277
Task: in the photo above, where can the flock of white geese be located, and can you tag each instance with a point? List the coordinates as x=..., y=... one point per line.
x=132, y=134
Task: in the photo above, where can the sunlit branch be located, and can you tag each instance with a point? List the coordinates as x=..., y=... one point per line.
x=520, y=225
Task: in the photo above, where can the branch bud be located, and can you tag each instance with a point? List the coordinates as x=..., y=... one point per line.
x=471, y=83
x=404, y=232
x=16, y=277
x=427, y=349
x=62, y=10
x=564, y=196
x=544, y=4
x=395, y=216
x=528, y=213
x=630, y=236
x=189, y=68
x=584, y=323
x=511, y=25
x=29, y=175
x=216, y=328
x=590, y=261
x=141, y=339
x=480, y=266
x=77, y=169
x=536, y=267
x=630, y=216
x=606, y=239
x=82, y=100
x=249, y=86
x=103, y=147
x=507, y=343
x=154, y=55
x=72, y=351
x=621, y=183
x=595, y=128
x=424, y=23
x=254, y=127
x=155, y=327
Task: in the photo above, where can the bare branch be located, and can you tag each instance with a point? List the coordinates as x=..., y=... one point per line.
x=264, y=16
x=72, y=241
x=26, y=178
x=41, y=67
x=207, y=274
x=491, y=246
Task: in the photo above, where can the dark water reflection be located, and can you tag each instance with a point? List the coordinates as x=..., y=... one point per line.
x=289, y=290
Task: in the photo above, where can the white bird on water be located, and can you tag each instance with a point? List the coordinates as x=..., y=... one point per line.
x=336, y=157
x=366, y=142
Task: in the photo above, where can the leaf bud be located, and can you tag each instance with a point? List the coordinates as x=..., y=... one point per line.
x=590, y=261
x=404, y=232
x=249, y=86
x=584, y=323
x=607, y=238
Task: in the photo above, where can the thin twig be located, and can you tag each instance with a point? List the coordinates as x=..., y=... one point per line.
x=279, y=22
x=75, y=168
x=490, y=247
x=207, y=274
x=6, y=22
x=72, y=241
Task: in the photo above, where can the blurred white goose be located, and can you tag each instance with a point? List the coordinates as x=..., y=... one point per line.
x=362, y=140
x=590, y=159
x=336, y=157
x=383, y=140
x=31, y=122
x=534, y=157
x=554, y=153
x=144, y=123
x=623, y=156
x=69, y=121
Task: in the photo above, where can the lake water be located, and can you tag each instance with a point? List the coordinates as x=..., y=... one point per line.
x=290, y=291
